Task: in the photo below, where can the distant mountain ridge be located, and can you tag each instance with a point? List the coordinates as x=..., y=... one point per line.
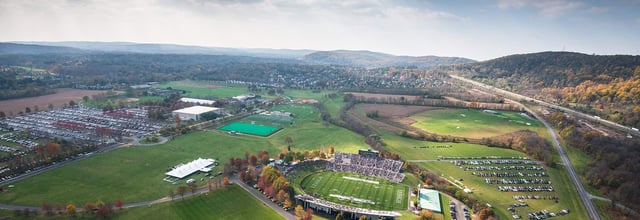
x=370, y=59
x=14, y=48
x=149, y=48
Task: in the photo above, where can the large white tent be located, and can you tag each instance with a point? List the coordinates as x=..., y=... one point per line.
x=183, y=170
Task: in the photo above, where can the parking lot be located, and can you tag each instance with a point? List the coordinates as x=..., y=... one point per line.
x=81, y=123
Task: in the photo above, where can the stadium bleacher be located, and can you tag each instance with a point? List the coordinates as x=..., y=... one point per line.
x=370, y=166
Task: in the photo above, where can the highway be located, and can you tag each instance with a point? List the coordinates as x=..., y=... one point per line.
x=585, y=197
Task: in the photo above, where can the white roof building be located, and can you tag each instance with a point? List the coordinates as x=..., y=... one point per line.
x=198, y=101
x=194, y=112
x=183, y=170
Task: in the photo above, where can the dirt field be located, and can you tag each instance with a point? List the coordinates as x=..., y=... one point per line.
x=62, y=96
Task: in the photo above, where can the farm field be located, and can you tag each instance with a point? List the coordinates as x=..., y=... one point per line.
x=58, y=100
x=472, y=123
x=120, y=173
x=375, y=193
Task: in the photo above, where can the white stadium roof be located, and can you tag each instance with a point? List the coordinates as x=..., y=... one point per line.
x=201, y=101
x=185, y=169
x=196, y=110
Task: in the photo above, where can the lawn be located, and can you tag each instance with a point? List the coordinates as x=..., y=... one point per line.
x=473, y=123
x=409, y=149
x=135, y=173
x=229, y=203
x=203, y=89
x=379, y=193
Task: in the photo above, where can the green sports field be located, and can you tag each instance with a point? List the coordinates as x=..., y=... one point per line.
x=356, y=190
x=253, y=129
x=473, y=123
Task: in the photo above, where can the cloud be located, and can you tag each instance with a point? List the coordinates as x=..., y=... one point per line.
x=546, y=8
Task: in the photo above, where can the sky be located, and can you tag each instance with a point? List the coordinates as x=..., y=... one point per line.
x=476, y=29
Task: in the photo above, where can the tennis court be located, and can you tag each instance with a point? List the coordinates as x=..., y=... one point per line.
x=253, y=129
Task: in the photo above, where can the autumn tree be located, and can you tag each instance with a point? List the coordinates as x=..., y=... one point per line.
x=340, y=216
x=425, y=215
x=253, y=160
x=71, y=209
x=177, y=120
x=171, y=194
x=287, y=203
x=72, y=103
x=118, y=203
x=309, y=214
x=46, y=208
x=181, y=190
x=225, y=180
x=281, y=196
x=300, y=213
x=89, y=207
x=104, y=211
x=331, y=149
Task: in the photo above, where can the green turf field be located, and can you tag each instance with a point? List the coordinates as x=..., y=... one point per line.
x=472, y=123
x=378, y=194
x=253, y=129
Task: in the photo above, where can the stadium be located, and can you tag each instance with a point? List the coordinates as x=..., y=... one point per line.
x=356, y=185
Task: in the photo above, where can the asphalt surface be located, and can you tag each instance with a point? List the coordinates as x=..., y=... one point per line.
x=585, y=197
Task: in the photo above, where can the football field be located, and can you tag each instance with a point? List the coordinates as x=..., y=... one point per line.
x=357, y=190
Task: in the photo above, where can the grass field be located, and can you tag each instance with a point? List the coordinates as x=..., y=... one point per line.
x=230, y=203
x=253, y=129
x=135, y=174
x=227, y=203
x=202, y=89
x=380, y=193
x=472, y=123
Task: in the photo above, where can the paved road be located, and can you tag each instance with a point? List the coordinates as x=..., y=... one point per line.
x=592, y=212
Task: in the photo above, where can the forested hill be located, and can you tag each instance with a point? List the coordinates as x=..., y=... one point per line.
x=370, y=59
x=605, y=85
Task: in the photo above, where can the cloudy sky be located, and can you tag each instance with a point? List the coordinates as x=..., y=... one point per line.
x=477, y=29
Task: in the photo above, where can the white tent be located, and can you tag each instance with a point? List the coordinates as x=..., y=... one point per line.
x=185, y=169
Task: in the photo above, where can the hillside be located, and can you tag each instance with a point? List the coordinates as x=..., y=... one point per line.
x=370, y=59
x=605, y=85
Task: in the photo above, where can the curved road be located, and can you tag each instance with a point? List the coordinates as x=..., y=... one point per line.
x=592, y=212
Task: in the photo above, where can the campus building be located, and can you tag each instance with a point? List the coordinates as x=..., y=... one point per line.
x=194, y=112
